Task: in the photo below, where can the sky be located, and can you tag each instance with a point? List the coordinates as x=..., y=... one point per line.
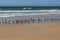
x=29, y=2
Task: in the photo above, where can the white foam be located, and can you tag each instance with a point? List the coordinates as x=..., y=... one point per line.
x=11, y=13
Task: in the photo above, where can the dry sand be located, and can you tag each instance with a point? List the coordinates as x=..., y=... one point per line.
x=33, y=31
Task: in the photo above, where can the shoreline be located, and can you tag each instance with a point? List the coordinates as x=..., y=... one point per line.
x=30, y=19
x=22, y=24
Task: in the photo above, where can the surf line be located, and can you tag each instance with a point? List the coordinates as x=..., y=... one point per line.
x=31, y=20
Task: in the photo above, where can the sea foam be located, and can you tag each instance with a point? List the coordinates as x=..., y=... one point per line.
x=11, y=13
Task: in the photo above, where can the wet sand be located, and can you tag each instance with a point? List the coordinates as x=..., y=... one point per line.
x=32, y=31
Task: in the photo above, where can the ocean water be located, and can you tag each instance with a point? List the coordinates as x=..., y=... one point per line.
x=10, y=11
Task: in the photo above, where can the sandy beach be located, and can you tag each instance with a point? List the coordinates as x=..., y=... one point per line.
x=32, y=31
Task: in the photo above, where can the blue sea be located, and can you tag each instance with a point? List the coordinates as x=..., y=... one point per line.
x=10, y=11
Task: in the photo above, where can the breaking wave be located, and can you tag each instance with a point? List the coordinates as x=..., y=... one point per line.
x=11, y=13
